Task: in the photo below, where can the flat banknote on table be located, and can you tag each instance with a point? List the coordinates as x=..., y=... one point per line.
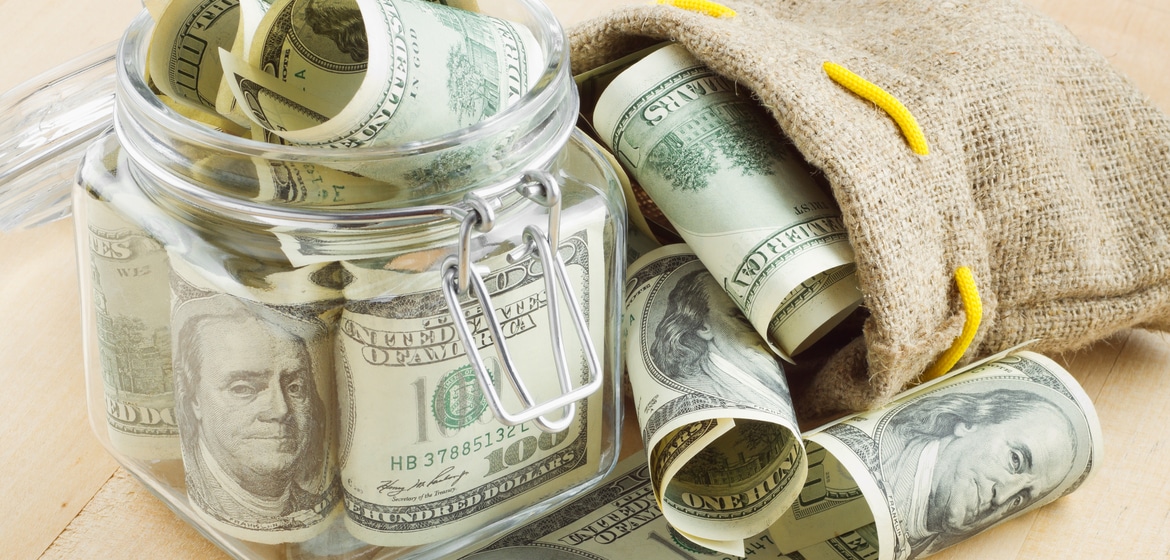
x=618, y=519
x=713, y=404
x=736, y=191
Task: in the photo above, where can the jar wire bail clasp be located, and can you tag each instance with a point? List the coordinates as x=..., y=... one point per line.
x=460, y=277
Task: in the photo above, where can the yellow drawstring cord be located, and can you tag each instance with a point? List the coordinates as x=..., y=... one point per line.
x=705, y=7
x=887, y=102
x=973, y=308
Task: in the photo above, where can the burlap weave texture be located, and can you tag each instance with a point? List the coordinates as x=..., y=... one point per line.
x=1048, y=173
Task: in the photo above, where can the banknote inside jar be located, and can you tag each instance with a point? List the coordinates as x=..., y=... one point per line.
x=264, y=350
x=341, y=74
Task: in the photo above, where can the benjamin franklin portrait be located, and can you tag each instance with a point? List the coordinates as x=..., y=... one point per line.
x=252, y=419
x=703, y=341
x=959, y=461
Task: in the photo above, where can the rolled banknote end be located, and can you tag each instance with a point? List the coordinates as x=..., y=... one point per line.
x=184, y=57
x=813, y=309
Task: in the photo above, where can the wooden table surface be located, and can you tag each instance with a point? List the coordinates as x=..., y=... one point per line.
x=63, y=496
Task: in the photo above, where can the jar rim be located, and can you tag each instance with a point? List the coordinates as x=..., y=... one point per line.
x=134, y=90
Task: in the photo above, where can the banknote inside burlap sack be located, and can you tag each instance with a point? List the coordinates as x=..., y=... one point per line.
x=1047, y=173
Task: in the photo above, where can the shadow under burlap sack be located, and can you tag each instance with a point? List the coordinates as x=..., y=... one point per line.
x=1047, y=172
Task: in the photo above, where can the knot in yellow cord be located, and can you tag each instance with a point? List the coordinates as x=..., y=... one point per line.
x=887, y=102
x=973, y=308
x=705, y=7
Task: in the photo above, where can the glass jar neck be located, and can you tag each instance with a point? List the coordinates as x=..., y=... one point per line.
x=208, y=171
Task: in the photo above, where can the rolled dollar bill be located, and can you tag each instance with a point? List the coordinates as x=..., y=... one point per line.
x=404, y=70
x=736, y=191
x=951, y=459
x=299, y=183
x=251, y=13
x=289, y=183
x=183, y=60
x=131, y=302
x=255, y=401
x=716, y=416
x=381, y=82
x=202, y=116
x=423, y=458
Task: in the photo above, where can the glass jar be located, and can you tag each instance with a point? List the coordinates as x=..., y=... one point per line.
x=305, y=363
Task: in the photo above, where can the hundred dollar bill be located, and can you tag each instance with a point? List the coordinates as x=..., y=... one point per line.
x=273, y=180
x=251, y=13
x=183, y=36
x=256, y=406
x=737, y=192
x=712, y=401
x=255, y=403
x=183, y=60
x=131, y=302
x=955, y=457
x=829, y=492
x=618, y=519
x=856, y=544
x=387, y=71
x=590, y=84
x=290, y=183
x=423, y=458
x=299, y=183
x=204, y=117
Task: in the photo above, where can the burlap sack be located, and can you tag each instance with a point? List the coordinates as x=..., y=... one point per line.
x=1047, y=174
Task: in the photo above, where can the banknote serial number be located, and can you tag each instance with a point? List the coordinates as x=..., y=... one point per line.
x=489, y=439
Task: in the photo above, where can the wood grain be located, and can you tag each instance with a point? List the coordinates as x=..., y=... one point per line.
x=62, y=495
